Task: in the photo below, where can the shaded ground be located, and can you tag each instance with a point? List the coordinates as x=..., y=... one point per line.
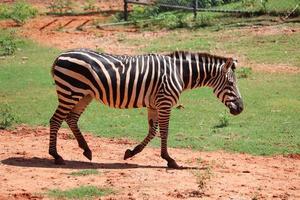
x=27, y=171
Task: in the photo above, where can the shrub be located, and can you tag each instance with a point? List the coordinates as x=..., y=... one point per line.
x=22, y=11
x=118, y=16
x=152, y=17
x=189, y=3
x=7, y=118
x=223, y=121
x=170, y=20
x=203, y=20
x=143, y=12
x=264, y=4
x=8, y=44
x=61, y=6
x=4, y=11
x=19, y=12
x=89, y=5
x=244, y=72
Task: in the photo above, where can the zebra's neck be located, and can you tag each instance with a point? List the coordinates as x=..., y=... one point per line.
x=198, y=69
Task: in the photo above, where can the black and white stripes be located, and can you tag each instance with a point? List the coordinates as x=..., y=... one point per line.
x=153, y=81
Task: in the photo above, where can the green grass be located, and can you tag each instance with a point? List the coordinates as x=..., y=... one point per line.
x=82, y=192
x=165, y=44
x=269, y=125
x=272, y=48
x=28, y=86
x=272, y=6
x=85, y=172
x=7, y=117
x=20, y=11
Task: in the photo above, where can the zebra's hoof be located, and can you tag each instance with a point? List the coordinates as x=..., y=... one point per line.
x=128, y=154
x=88, y=154
x=59, y=161
x=172, y=164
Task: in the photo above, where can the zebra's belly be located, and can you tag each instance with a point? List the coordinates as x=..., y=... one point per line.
x=126, y=104
x=123, y=96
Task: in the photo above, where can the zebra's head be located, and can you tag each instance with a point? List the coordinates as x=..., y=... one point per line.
x=227, y=90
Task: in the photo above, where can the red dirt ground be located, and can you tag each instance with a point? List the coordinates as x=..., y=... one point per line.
x=28, y=172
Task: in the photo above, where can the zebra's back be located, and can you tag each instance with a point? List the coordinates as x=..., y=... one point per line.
x=119, y=82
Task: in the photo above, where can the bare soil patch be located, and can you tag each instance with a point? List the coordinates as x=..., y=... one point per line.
x=275, y=68
x=28, y=172
x=270, y=30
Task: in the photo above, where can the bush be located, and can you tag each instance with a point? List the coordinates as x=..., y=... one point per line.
x=171, y=20
x=143, y=12
x=61, y=6
x=7, y=119
x=190, y=3
x=19, y=12
x=223, y=121
x=22, y=11
x=8, y=44
x=4, y=11
x=203, y=20
x=89, y=5
x=244, y=72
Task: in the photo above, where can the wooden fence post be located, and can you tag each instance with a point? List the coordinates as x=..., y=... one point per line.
x=195, y=8
x=125, y=10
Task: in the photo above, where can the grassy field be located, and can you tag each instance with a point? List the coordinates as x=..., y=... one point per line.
x=269, y=125
x=271, y=48
x=272, y=6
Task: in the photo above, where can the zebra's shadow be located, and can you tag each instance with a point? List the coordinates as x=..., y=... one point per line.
x=72, y=164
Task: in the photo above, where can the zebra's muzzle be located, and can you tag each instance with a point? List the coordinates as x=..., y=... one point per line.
x=236, y=107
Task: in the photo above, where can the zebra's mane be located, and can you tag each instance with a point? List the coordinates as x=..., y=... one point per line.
x=186, y=55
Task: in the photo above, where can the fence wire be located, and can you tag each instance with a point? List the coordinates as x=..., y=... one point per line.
x=273, y=7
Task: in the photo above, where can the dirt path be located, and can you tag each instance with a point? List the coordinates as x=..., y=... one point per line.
x=27, y=171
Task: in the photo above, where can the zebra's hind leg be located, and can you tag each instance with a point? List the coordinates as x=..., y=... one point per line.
x=153, y=125
x=55, y=122
x=72, y=121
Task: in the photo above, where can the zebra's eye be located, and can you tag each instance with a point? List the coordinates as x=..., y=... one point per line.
x=230, y=83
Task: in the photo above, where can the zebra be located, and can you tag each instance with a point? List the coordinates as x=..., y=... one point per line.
x=154, y=81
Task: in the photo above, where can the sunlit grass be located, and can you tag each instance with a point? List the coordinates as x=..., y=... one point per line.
x=85, y=172
x=82, y=192
x=269, y=124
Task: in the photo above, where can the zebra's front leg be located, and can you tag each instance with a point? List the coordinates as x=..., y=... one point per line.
x=163, y=119
x=153, y=124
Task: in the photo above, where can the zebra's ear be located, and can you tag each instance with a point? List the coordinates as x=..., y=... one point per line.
x=234, y=65
x=227, y=65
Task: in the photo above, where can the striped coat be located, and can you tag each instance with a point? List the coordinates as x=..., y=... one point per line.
x=153, y=81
